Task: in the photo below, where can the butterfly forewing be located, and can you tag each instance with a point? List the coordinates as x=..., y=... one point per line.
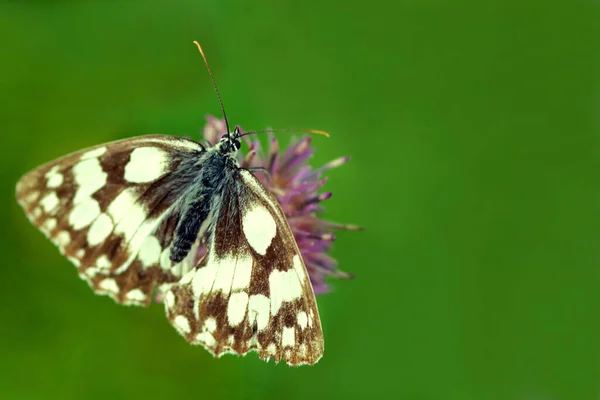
x=252, y=290
x=110, y=210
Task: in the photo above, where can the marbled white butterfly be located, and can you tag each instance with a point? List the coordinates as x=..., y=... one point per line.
x=131, y=214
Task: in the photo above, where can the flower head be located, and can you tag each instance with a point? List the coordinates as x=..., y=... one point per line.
x=296, y=186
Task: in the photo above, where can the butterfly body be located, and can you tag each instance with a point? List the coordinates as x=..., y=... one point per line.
x=131, y=216
x=216, y=169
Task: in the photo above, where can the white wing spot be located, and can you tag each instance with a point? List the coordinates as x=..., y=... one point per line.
x=130, y=223
x=302, y=319
x=119, y=207
x=210, y=324
x=136, y=295
x=80, y=253
x=31, y=197
x=109, y=285
x=236, y=308
x=100, y=230
x=217, y=274
x=89, y=177
x=258, y=310
x=93, y=153
x=300, y=268
x=63, y=239
x=103, y=262
x=271, y=348
x=206, y=338
x=243, y=272
x=169, y=299
x=182, y=324
x=90, y=272
x=172, y=141
x=54, y=178
x=142, y=233
x=37, y=212
x=288, y=338
x=146, y=164
x=284, y=286
x=84, y=213
x=49, y=202
x=187, y=264
x=75, y=261
x=50, y=224
x=225, y=270
x=259, y=228
x=202, y=280
x=189, y=277
x=165, y=261
x=150, y=251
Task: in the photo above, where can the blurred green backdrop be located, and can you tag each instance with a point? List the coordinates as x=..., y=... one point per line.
x=473, y=130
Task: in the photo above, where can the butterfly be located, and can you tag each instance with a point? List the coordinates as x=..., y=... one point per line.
x=131, y=215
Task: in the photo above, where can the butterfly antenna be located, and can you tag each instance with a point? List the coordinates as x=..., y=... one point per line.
x=214, y=85
x=315, y=131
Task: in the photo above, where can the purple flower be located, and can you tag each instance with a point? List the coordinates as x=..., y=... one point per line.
x=296, y=185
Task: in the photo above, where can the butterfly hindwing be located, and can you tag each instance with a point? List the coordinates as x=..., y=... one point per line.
x=252, y=290
x=109, y=209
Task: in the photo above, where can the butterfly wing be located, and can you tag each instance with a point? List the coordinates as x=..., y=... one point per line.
x=110, y=210
x=252, y=290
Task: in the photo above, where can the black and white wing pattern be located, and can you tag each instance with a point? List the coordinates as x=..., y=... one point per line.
x=110, y=210
x=130, y=215
x=252, y=290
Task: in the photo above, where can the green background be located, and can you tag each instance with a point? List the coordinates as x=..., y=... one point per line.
x=474, y=135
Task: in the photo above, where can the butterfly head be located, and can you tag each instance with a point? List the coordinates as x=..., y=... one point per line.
x=230, y=143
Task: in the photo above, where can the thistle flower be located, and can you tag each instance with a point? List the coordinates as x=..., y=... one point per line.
x=295, y=184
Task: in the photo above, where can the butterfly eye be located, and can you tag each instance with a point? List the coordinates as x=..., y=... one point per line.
x=237, y=144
